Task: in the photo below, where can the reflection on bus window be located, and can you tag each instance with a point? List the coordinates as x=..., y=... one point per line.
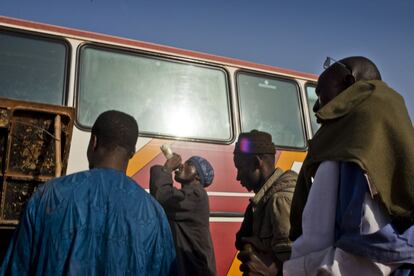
x=312, y=98
x=271, y=105
x=166, y=97
x=32, y=69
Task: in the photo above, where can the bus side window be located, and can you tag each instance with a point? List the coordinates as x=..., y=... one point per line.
x=167, y=97
x=312, y=98
x=272, y=105
x=32, y=68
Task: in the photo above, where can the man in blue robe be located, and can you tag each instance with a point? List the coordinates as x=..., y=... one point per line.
x=96, y=222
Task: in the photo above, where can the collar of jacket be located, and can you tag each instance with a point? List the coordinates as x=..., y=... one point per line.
x=346, y=101
x=268, y=184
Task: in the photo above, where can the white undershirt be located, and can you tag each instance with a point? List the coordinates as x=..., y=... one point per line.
x=313, y=251
x=318, y=219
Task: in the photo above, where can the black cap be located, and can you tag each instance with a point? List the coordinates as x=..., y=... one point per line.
x=255, y=142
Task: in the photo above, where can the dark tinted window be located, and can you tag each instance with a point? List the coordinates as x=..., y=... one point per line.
x=271, y=105
x=32, y=68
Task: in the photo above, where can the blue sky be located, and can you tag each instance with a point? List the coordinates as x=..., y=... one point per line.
x=292, y=34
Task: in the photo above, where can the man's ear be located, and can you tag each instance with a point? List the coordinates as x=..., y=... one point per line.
x=131, y=153
x=94, y=142
x=349, y=80
x=257, y=161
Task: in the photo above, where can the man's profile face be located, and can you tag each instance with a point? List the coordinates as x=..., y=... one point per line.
x=248, y=173
x=186, y=172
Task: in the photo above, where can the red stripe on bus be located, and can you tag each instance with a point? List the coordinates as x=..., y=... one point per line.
x=152, y=46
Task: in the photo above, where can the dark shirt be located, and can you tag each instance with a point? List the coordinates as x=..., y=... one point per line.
x=188, y=213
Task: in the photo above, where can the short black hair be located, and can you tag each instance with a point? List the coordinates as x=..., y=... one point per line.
x=115, y=128
x=362, y=68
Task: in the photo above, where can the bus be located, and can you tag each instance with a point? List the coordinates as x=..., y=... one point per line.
x=196, y=102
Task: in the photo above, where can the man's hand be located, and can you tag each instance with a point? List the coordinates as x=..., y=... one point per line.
x=255, y=264
x=172, y=163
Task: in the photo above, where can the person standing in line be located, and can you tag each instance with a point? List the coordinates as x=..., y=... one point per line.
x=187, y=210
x=264, y=233
x=96, y=222
x=352, y=211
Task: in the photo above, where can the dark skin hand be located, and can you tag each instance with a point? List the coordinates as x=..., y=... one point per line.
x=173, y=163
x=255, y=263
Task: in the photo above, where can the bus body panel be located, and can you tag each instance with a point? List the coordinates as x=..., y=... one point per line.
x=227, y=198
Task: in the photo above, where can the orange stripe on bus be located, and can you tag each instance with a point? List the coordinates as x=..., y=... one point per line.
x=287, y=158
x=144, y=155
x=234, y=268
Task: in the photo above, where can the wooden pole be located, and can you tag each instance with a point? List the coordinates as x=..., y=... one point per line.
x=58, y=146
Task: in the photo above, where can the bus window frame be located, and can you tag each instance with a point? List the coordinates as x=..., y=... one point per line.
x=48, y=37
x=280, y=78
x=165, y=57
x=310, y=108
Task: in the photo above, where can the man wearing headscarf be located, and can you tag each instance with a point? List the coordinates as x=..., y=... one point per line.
x=95, y=222
x=187, y=210
x=264, y=233
x=352, y=211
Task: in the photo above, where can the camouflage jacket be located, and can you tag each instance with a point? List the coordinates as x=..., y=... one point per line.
x=266, y=221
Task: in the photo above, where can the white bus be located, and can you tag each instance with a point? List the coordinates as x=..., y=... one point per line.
x=196, y=102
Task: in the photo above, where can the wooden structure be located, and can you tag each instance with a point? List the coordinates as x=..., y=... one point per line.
x=34, y=148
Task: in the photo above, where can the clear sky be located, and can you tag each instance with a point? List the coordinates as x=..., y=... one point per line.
x=292, y=34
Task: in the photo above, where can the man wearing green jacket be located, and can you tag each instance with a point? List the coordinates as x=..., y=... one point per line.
x=265, y=228
x=352, y=211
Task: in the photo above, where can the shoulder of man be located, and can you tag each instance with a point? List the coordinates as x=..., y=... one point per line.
x=283, y=186
x=286, y=181
x=62, y=182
